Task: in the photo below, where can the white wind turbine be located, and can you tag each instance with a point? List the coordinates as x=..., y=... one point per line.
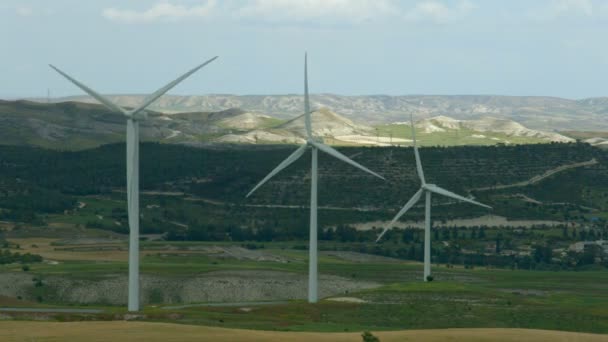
x=133, y=117
x=315, y=147
x=426, y=189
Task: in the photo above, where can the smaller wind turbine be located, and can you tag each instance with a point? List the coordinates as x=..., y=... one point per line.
x=426, y=189
x=315, y=146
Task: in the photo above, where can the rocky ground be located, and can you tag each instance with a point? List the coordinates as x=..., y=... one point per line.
x=219, y=286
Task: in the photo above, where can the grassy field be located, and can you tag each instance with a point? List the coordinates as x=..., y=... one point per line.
x=454, y=137
x=458, y=298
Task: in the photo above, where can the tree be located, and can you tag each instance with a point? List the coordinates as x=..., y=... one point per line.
x=498, y=240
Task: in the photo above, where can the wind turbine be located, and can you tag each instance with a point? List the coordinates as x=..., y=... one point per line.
x=426, y=189
x=315, y=146
x=133, y=117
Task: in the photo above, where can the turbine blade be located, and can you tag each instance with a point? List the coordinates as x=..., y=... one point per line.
x=285, y=163
x=332, y=152
x=103, y=100
x=403, y=210
x=160, y=92
x=416, y=154
x=440, y=191
x=307, y=116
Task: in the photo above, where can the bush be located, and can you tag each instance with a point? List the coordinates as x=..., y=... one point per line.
x=429, y=278
x=369, y=337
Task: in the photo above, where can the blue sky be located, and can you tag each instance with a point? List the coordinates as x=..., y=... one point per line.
x=541, y=47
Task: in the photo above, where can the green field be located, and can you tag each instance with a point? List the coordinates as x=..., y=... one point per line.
x=458, y=298
x=453, y=137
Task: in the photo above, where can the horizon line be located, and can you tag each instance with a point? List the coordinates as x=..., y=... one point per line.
x=40, y=98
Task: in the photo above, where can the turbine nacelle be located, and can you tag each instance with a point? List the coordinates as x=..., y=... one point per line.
x=314, y=140
x=140, y=116
x=311, y=141
x=138, y=113
x=424, y=188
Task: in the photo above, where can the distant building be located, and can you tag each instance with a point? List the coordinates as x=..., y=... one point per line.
x=581, y=245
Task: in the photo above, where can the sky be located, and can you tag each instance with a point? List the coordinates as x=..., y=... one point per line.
x=355, y=47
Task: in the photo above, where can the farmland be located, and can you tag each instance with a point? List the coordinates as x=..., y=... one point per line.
x=211, y=258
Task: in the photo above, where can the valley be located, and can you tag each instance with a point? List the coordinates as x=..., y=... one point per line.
x=209, y=257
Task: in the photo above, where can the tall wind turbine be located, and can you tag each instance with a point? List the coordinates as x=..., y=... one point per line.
x=315, y=146
x=426, y=189
x=133, y=117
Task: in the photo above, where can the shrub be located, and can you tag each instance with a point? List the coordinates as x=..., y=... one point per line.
x=369, y=337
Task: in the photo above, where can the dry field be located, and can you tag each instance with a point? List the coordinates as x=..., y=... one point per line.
x=150, y=332
x=44, y=247
x=487, y=220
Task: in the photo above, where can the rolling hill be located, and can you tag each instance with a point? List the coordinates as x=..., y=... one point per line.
x=75, y=125
x=536, y=112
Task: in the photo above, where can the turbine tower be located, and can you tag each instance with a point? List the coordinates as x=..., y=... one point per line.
x=427, y=190
x=315, y=146
x=133, y=117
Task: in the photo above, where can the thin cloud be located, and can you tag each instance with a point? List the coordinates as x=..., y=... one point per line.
x=24, y=11
x=299, y=12
x=565, y=8
x=162, y=11
x=438, y=12
x=584, y=7
x=29, y=11
x=315, y=11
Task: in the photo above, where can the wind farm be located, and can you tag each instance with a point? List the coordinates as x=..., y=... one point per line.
x=347, y=171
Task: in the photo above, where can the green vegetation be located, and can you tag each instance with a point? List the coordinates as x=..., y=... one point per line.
x=458, y=297
x=484, y=298
x=198, y=195
x=453, y=137
x=6, y=257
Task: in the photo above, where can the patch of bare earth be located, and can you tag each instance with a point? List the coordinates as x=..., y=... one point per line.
x=151, y=332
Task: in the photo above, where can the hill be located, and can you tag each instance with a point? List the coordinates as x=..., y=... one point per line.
x=226, y=175
x=535, y=112
x=74, y=125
